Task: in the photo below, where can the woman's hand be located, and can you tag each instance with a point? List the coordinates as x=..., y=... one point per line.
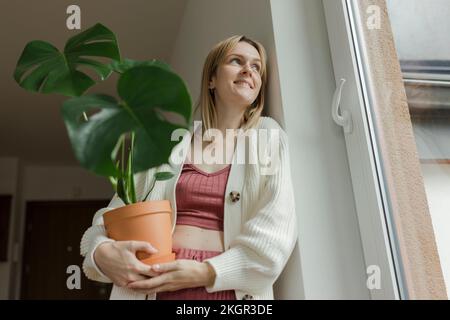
x=176, y=275
x=117, y=260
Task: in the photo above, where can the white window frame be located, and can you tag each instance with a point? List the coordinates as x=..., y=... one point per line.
x=372, y=203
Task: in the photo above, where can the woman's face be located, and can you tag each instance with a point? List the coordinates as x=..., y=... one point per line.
x=237, y=81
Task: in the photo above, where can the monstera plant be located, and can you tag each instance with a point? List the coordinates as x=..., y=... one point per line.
x=145, y=88
x=115, y=138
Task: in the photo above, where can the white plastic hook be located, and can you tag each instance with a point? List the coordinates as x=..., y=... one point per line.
x=344, y=120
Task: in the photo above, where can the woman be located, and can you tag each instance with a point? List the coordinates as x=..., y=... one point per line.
x=235, y=223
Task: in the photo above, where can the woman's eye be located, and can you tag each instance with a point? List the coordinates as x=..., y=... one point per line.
x=255, y=66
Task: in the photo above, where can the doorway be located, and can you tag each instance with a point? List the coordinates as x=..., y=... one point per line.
x=53, y=230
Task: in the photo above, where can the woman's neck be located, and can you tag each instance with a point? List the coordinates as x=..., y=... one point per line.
x=227, y=118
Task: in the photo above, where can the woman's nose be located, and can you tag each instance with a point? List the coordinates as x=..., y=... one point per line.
x=246, y=69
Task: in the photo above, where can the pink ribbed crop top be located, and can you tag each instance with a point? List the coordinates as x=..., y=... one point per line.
x=200, y=197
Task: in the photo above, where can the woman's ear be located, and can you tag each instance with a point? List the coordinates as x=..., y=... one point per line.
x=212, y=83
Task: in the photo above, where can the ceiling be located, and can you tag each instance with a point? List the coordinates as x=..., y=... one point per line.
x=31, y=127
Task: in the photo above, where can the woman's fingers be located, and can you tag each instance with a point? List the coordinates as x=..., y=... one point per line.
x=135, y=246
x=139, y=267
x=146, y=270
x=151, y=283
x=135, y=277
x=168, y=266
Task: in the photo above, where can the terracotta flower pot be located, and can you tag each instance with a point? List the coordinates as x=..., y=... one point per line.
x=148, y=221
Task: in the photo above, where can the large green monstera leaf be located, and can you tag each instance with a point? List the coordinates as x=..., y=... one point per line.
x=144, y=91
x=42, y=68
x=125, y=64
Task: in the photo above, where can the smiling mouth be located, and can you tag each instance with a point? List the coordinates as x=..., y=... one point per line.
x=243, y=84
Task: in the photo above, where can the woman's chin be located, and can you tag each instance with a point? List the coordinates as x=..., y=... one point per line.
x=243, y=99
x=242, y=105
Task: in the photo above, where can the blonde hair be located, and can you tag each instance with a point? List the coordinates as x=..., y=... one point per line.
x=206, y=99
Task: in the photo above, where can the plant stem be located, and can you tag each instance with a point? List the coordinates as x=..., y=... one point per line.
x=153, y=185
x=122, y=179
x=130, y=171
x=113, y=181
x=123, y=157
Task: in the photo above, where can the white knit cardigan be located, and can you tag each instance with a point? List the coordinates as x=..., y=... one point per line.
x=260, y=230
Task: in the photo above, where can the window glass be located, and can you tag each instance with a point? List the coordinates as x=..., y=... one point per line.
x=421, y=34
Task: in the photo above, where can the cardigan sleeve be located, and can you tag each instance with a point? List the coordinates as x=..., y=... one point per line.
x=96, y=234
x=92, y=238
x=257, y=256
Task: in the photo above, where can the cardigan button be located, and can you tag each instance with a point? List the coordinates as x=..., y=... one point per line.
x=235, y=196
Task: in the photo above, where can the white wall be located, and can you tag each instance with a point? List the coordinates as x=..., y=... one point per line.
x=64, y=183
x=204, y=24
x=330, y=246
